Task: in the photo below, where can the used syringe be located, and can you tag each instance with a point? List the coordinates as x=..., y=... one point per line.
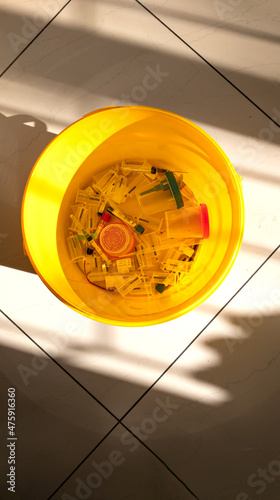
x=92, y=242
x=129, y=166
x=117, y=213
x=151, y=170
x=156, y=248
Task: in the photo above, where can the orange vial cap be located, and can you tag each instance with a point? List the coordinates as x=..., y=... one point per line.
x=116, y=239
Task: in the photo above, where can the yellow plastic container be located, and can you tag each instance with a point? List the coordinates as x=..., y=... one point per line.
x=93, y=145
x=188, y=222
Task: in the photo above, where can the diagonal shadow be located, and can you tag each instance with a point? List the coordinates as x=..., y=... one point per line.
x=225, y=25
x=104, y=77
x=181, y=439
x=23, y=138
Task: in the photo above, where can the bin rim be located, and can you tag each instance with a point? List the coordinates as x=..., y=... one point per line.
x=222, y=274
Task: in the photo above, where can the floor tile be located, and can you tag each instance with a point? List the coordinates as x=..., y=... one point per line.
x=222, y=397
x=239, y=38
x=124, y=468
x=57, y=423
x=21, y=22
x=54, y=96
x=115, y=364
x=212, y=417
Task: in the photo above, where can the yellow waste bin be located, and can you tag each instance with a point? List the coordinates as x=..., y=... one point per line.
x=92, y=145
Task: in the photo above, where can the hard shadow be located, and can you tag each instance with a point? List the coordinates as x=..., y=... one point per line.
x=267, y=177
x=23, y=138
x=97, y=63
x=223, y=24
x=223, y=443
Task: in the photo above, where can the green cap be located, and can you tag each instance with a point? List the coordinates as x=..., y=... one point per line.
x=139, y=229
x=160, y=287
x=174, y=189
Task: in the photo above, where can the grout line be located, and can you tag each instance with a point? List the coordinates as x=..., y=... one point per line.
x=60, y=366
x=33, y=40
x=162, y=461
x=208, y=63
x=198, y=335
x=138, y=439
x=119, y=421
x=105, y=408
x=81, y=463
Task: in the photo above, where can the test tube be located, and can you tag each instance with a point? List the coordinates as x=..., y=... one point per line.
x=105, y=218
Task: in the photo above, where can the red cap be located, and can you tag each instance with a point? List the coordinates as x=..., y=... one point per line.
x=106, y=217
x=204, y=220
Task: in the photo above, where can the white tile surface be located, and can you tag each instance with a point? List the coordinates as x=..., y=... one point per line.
x=223, y=397
x=96, y=54
x=115, y=364
x=56, y=422
x=21, y=22
x=239, y=38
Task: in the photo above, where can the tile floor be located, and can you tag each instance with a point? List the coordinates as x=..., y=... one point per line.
x=116, y=413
